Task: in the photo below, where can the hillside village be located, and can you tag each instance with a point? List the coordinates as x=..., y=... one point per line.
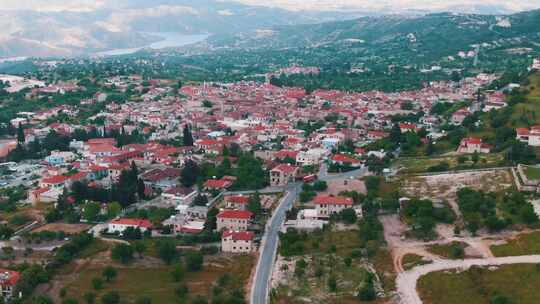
x=210, y=173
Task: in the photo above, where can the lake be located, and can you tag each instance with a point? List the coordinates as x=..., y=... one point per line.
x=169, y=40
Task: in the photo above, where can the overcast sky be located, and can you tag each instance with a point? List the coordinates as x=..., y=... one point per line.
x=89, y=5
x=514, y=5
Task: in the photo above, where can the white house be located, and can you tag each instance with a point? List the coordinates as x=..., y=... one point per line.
x=473, y=145
x=328, y=205
x=179, y=195
x=236, y=220
x=311, y=157
x=237, y=241
x=306, y=220
x=529, y=136
x=8, y=281
x=121, y=224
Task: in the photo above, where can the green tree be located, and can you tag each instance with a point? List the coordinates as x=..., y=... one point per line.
x=348, y=216
x=140, y=248
x=188, y=137
x=113, y=209
x=89, y=297
x=111, y=297
x=143, y=300
x=189, y=173
x=332, y=283
x=167, y=251
x=91, y=211
x=109, y=273
x=20, y=134
x=194, y=261
x=97, y=283
x=141, y=189
x=178, y=273
x=122, y=253
x=254, y=204
x=181, y=291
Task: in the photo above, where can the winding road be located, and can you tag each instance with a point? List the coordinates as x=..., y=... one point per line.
x=407, y=281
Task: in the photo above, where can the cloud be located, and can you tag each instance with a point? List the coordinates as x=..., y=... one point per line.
x=397, y=5
x=225, y=13
x=120, y=20
x=53, y=5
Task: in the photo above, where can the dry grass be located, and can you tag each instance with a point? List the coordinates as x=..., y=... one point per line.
x=67, y=228
x=479, y=285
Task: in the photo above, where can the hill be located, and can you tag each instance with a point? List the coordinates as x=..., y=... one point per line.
x=128, y=24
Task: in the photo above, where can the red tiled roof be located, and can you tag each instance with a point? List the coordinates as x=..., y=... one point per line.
x=285, y=153
x=345, y=159
x=9, y=277
x=101, y=141
x=237, y=199
x=238, y=235
x=285, y=168
x=332, y=200
x=471, y=141
x=56, y=179
x=235, y=214
x=217, y=183
x=522, y=131
x=180, y=190
x=103, y=148
x=78, y=176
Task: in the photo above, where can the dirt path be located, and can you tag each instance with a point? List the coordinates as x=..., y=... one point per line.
x=406, y=281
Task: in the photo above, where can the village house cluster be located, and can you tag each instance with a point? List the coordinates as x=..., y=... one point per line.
x=290, y=131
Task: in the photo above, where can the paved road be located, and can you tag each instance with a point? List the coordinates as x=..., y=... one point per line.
x=406, y=281
x=267, y=254
x=260, y=288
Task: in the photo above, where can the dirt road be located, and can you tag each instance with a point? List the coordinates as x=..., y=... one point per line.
x=407, y=281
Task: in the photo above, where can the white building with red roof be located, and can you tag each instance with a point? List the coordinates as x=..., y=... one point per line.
x=237, y=241
x=529, y=136
x=121, y=224
x=179, y=195
x=236, y=220
x=282, y=174
x=343, y=159
x=55, y=181
x=536, y=64
x=473, y=145
x=238, y=202
x=327, y=205
x=8, y=281
x=407, y=127
x=218, y=184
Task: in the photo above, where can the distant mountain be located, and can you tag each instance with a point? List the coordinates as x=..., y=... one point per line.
x=431, y=35
x=126, y=24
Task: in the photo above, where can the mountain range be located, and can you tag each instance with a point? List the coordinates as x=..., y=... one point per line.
x=72, y=33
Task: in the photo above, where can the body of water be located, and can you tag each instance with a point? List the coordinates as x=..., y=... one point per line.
x=169, y=40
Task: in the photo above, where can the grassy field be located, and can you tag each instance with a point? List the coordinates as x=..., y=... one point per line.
x=479, y=285
x=532, y=172
x=528, y=111
x=412, y=260
x=155, y=281
x=528, y=243
x=447, y=250
x=421, y=164
x=327, y=252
